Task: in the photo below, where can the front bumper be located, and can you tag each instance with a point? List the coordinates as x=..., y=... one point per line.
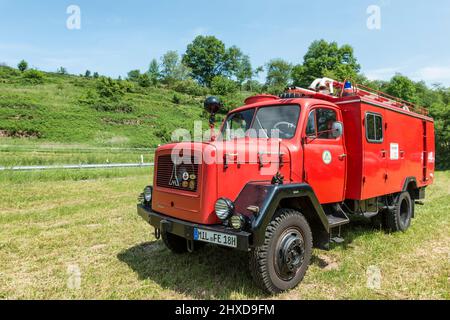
x=186, y=229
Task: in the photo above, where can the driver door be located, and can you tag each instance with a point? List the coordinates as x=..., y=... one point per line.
x=325, y=158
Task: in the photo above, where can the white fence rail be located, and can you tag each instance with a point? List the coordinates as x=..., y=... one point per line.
x=78, y=166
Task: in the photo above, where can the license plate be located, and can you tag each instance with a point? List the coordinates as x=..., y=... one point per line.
x=215, y=237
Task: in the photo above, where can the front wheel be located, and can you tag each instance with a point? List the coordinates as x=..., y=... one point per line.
x=282, y=261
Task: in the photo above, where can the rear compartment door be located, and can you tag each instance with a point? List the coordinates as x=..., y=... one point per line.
x=375, y=153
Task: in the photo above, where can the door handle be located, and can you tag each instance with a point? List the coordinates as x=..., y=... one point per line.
x=383, y=153
x=342, y=156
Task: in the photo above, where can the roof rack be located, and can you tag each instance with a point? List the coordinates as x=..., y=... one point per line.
x=332, y=90
x=379, y=96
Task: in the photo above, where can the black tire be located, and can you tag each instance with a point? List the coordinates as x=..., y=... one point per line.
x=399, y=219
x=288, y=239
x=177, y=244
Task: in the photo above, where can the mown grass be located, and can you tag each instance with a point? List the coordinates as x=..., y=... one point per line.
x=60, y=157
x=87, y=220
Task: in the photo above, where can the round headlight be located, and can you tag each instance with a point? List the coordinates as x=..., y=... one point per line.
x=237, y=222
x=148, y=193
x=224, y=208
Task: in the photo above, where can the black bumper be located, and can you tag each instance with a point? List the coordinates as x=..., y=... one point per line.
x=186, y=229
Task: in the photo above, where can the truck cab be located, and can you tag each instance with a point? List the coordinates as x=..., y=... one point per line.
x=285, y=173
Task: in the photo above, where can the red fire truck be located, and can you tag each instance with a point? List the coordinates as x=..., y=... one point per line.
x=343, y=151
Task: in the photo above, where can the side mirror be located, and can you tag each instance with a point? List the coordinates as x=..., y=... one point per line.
x=212, y=105
x=337, y=130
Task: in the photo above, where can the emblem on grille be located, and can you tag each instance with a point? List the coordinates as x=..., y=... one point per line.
x=174, y=182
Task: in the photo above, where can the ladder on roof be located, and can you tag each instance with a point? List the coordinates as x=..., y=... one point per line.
x=385, y=98
x=338, y=89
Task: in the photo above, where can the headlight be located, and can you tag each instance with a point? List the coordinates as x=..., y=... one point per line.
x=237, y=222
x=148, y=193
x=224, y=208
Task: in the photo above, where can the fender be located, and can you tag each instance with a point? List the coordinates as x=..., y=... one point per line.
x=267, y=197
x=408, y=180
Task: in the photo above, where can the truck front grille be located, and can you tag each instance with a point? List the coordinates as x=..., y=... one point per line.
x=180, y=177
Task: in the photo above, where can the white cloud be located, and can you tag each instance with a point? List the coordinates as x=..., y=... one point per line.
x=433, y=74
x=382, y=73
x=430, y=74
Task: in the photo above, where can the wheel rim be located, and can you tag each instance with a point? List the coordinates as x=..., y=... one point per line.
x=289, y=254
x=404, y=211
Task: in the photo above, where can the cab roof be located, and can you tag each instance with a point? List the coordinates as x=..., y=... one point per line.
x=303, y=102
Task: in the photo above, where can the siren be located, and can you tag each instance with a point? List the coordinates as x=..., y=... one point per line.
x=348, y=89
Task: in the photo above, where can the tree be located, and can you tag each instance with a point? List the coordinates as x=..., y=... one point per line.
x=22, y=66
x=96, y=75
x=221, y=85
x=403, y=88
x=244, y=70
x=172, y=68
x=278, y=74
x=207, y=58
x=134, y=75
x=154, y=73
x=87, y=74
x=62, y=71
x=326, y=59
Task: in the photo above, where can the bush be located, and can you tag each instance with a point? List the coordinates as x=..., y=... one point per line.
x=176, y=99
x=190, y=87
x=144, y=81
x=22, y=66
x=104, y=105
x=34, y=76
x=111, y=89
x=8, y=72
x=223, y=86
x=253, y=86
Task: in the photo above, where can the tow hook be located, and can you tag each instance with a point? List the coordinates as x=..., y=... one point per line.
x=157, y=233
x=190, y=246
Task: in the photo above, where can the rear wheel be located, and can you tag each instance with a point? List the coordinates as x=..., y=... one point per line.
x=282, y=261
x=177, y=244
x=399, y=218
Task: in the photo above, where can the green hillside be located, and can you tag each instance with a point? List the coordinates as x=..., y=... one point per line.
x=39, y=108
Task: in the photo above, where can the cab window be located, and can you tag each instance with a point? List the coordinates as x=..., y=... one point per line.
x=277, y=120
x=237, y=124
x=320, y=123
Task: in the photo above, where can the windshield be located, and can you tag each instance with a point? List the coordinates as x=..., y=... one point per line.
x=268, y=122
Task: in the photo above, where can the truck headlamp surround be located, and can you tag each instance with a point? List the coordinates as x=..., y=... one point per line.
x=148, y=194
x=224, y=208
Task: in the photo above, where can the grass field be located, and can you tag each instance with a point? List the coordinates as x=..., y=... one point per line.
x=58, y=227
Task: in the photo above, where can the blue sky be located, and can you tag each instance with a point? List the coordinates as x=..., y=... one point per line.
x=117, y=36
